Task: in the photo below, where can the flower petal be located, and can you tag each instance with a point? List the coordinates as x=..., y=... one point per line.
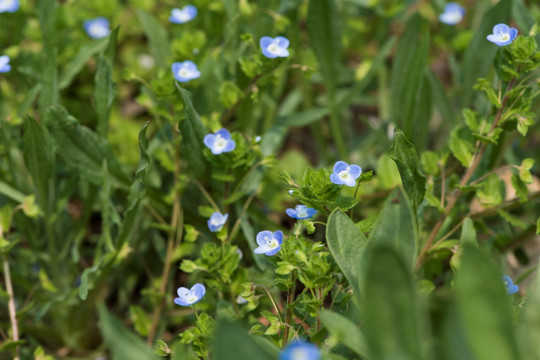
x=265, y=41
x=224, y=133
x=355, y=171
x=182, y=292
x=209, y=140
x=292, y=213
x=198, y=290
x=336, y=179
x=340, y=166
x=278, y=235
x=262, y=235
x=282, y=42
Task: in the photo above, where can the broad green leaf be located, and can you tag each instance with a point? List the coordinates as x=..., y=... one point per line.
x=440, y=100
x=461, y=147
x=193, y=132
x=29, y=99
x=38, y=157
x=345, y=331
x=404, y=154
x=396, y=227
x=480, y=53
x=346, y=243
x=233, y=343
x=157, y=36
x=80, y=148
x=468, y=233
x=484, y=308
x=410, y=94
x=105, y=87
x=391, y=319
x=531, y=317
x=86, y=51
x=123, y=344
x=323, y=25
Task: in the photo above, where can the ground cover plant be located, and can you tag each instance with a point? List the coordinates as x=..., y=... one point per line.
x=272, y=179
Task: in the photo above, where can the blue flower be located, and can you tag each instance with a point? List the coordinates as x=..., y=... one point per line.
x=4, y=64
x=502, y=35
x=187, y=297
x=269, y=242
x=301, y=212
x=216, y=221
x=97, y=28
x=185, y=71
x=9, y=6
x=300, y=350
x=274, y=47
x=345, y=174
x=511, y=288
x=219, y=142
x=453, y=14
x=180, y=16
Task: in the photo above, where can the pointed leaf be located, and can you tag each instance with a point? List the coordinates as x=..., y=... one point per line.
x=345, y=331
x=157, y=37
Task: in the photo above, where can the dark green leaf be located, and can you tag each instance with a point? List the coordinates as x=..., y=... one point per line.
x=124, y=345
x=532, y=317
x=346, y=243
x=233, y=343
x=86, y=51
x=193, y=132
x=484, y=308
x=157, y=36
x=468, y=233
x=345, y=331
x=404, y=154
x=396, y=227
x=391, y=319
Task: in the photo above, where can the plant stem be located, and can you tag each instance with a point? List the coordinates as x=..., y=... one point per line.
x=480, y=149
x=11, y=301
x=290, y=299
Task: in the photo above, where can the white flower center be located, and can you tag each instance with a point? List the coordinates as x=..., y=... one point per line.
x=344, y=175
x=191, y=298
x=505, y=37
x=183, y=73
x=271, y=243
x=183, y=16
x=98, y=30
x=220, y=142
x=299, y=354
x=301, y=212
x=273, y=48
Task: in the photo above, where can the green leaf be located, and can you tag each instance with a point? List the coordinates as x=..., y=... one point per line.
x=123, y=344
x=524, y=171
x=490, y=194
x=468, y=233
x=38, y=158
x=193, y=132
x=410, y=89
x=323, y=24
x=461, y=147
x=80, y=148
x=519, y=186
x=49, y=95
x=346, y=243
x=144, y=159
x=157, y=36
x=105, y=89
x=391, y=318
x=396, y=227
x=531, y=317
x=345, y=331
x=86, y=51
x=233, y=343
x=480, y=53
x=484, y=308
x=404, y=154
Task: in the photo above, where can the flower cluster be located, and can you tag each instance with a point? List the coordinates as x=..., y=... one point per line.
x=185, y=71
x=97, y=28
x=4, y=64
x=181, y=16
x=9, y=6
x=187, y=297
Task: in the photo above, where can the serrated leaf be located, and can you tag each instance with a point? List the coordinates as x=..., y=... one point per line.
x=404, y=154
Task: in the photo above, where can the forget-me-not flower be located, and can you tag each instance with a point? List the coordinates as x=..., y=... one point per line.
x=187, y=297
x=345, y=174
x=301, y=212
x=300, y=350
x=97, y=28
x=183, y=15
x=511, y=288
x=4, y=64
x=219, y=142
x=502, y=35
x=9, y=6
x=185, y=71
x=216, y=221
x=274, y=47
x=453, y=14
x=269, y=242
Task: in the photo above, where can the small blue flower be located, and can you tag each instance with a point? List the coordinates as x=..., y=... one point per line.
x=300, y=350
x=301, y=212
x=97, y=28
x=345, y=174
x=269, y=242
x=180, y=16
x=187, y=297
x=453, y=14
x=4, y=64
x=511, y=288
x=219, y=142
x=185, y=71
x=216, y=221
x=502, y=35
x=274, y=47
x=9, y=6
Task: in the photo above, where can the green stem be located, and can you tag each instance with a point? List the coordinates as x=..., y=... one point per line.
x=288, y=315
x=11, y=301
